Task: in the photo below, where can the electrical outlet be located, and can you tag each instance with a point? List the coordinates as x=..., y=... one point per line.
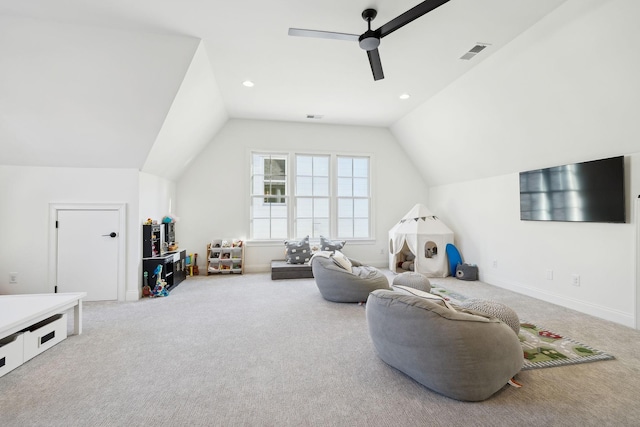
x=13, y=278
x=381, y=251
x=575, y=279
x=549, y=275
x=495, y=263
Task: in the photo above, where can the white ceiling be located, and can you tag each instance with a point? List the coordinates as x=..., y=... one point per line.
x=99, y=79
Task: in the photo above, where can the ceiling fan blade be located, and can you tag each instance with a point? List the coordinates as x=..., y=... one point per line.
x=411, y=14
x=299, y=32
x=376, y=64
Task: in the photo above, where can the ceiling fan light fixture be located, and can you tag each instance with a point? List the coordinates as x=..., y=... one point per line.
x=369, y=41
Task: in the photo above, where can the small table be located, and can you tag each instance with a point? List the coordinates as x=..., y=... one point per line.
x=18, y=312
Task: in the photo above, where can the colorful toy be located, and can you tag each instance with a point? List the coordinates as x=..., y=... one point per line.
x=160, y=289
x=196, y=271
x=146, y=290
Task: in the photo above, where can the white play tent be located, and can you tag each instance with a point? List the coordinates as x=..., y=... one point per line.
x=422, y=235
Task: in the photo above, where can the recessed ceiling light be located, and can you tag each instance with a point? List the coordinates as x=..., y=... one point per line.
x=405, y=96
x=248, y=83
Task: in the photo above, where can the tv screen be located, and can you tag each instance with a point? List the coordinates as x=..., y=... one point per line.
x=584, y=192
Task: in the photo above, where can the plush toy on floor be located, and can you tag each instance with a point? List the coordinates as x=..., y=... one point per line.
x=409, y=260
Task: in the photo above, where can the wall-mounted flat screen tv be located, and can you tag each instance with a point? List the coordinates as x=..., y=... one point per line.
x=583, y=192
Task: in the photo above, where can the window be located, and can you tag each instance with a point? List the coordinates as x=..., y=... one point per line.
x=269, y=196
x=353, y=197
x=329, y=195
x=312, y=196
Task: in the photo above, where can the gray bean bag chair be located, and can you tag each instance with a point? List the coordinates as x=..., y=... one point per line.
x=457, y=353
x=337, y=284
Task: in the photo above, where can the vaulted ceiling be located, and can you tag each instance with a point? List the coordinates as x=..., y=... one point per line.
x=146, y=84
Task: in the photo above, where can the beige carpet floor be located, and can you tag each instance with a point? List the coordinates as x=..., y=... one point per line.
x=249, y=351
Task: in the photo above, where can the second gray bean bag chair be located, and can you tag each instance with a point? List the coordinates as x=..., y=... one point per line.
x=339, y=285
x=454, y=352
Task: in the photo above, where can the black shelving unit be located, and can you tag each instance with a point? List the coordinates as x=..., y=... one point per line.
x=152, y=239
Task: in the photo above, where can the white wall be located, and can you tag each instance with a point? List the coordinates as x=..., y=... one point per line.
x=26, y=193
x=157, y=198
x=565, y=91
x=213, y=193
x=485, y=217
x=196, y=115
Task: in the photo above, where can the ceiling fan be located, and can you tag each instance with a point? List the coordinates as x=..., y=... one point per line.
x=370, y=39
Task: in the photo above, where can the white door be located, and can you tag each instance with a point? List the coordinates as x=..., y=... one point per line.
x=88, y=253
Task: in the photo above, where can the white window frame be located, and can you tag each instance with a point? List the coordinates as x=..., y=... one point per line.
x=353, y=197
x=291, y=196
x=252, y=195
x=313, y=197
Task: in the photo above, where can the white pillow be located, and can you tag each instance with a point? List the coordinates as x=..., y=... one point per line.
x=422, y=294
x=342, y=261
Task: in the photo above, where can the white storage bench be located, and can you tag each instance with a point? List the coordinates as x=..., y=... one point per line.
x=31, y=324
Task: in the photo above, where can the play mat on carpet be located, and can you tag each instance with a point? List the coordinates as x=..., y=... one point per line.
x=542, y=348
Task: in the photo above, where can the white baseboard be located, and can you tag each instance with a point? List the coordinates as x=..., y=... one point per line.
x=623, y=318
x=132, y=295
x=257, y=268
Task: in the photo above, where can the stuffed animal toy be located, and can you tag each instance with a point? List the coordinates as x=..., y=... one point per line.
x=160, y=290
x=408, y=255
x=408, y=265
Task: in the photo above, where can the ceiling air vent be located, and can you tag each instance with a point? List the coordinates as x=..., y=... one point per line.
x=474, y=51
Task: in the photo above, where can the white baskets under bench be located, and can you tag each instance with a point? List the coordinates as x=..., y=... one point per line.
x=31, y=324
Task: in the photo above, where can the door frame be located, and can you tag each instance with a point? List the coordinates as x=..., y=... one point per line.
x=121, y=208
x=636, y=288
